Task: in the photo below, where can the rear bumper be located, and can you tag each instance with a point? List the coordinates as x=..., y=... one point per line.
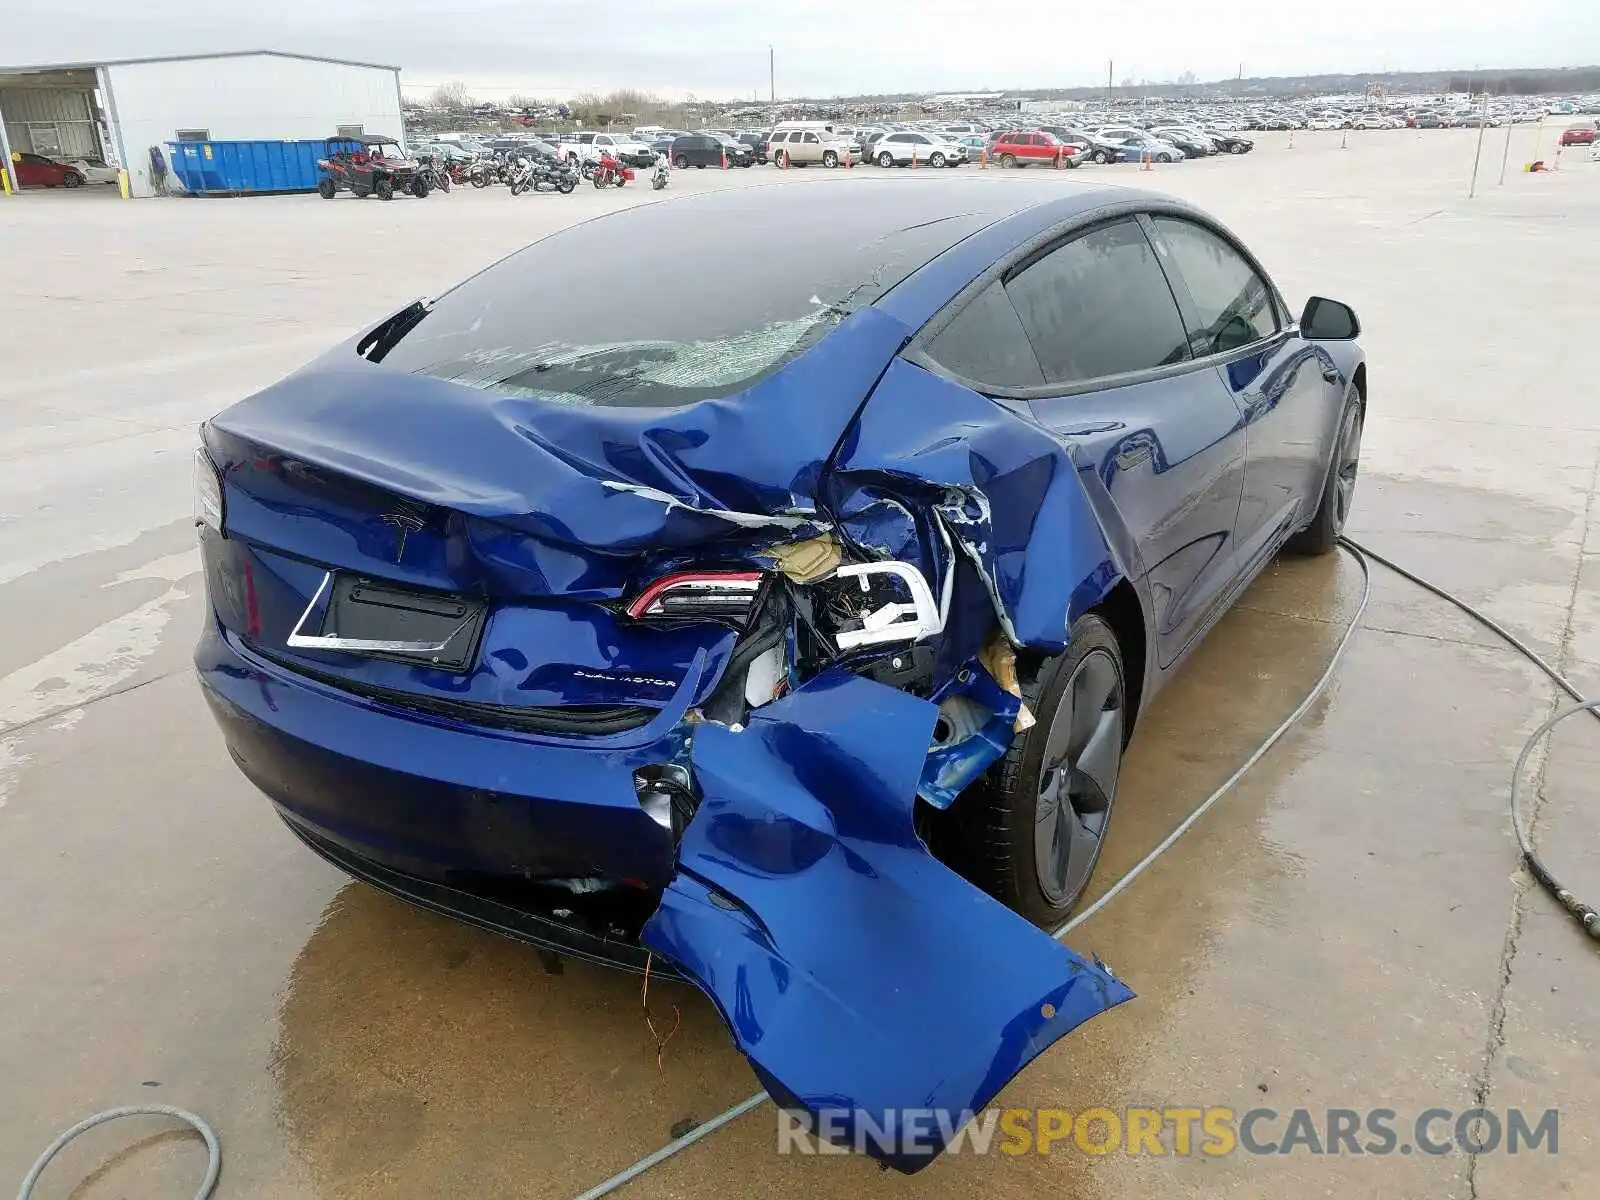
x=455, y=818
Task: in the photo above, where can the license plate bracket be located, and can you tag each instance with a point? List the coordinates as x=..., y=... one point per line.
x=365, y=610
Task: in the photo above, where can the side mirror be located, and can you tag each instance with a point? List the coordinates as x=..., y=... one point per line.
x=1327, y=320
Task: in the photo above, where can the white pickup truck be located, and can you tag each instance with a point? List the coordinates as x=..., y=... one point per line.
x=628, y=150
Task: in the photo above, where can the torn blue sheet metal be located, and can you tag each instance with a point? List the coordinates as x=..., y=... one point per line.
x=980, y=716
x=859, y=975
x=1004, y=488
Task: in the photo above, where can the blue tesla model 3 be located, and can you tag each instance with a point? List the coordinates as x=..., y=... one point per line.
x=786, y=622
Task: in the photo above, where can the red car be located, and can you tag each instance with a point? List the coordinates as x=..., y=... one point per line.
x=34, y=170
x=1578, y=135
x=1021, y=149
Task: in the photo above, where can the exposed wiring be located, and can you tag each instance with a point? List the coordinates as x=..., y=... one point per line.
x=1582, y=913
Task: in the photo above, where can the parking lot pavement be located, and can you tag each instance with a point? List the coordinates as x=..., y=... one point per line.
x=1346, y=930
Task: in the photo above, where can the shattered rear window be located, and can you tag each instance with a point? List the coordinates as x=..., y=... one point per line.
x=665, y=304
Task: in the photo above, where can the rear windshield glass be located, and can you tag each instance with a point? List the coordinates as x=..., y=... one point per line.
x=659, y=306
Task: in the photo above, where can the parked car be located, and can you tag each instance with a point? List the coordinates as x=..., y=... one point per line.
x=624, y=148
x=1147, y=148
x=756, y=143
x=802, y=147
x=94, y=170
x=1033, y=148
x=739, y=154
x=445, y=153
x=929, y=149
x=605, y=665
x=1193, y=143
x=35, y=170
x=1578, y=135
x=1231, y=143
x=697, y=150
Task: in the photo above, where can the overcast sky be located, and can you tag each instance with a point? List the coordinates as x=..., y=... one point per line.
x=718, y=48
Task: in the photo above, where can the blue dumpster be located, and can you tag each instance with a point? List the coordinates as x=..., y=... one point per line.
x=246, y=168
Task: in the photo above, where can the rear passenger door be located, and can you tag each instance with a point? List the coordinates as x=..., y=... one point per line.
x=1288, y=390
x=1087, y=336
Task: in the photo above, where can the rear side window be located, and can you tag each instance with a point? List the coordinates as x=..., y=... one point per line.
x=987, y=344
x=1099, y=305
x=1232, y=302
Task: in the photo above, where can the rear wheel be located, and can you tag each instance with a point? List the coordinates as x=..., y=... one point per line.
x=325, y=188
x=72, y=179
x=886, y=159
x=444, y=183
x=1339, y=491
x=419, y=188
x=383, y=189
x=682, y=162
x=566, y=185
x=1037, y=818
x=1008, y=160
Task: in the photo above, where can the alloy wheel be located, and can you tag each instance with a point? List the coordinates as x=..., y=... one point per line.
x=1078, y=777
x=1348, y=466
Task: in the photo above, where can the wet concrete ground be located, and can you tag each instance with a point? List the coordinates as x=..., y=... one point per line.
x=1348, y=929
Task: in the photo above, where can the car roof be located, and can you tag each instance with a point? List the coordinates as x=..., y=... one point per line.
x=816, y=219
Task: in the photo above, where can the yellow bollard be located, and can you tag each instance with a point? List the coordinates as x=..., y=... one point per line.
x=122, y=185
x=5, y=181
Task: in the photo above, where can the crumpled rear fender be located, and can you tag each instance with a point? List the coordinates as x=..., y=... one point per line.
x=863, y=978
x=931, y=469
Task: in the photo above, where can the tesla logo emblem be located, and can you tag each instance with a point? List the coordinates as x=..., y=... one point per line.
x=404, y=525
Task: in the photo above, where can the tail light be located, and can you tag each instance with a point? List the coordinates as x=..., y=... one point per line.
x=703, y=594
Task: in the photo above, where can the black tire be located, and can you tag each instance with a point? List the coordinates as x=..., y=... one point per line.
x=1101, y=156
x=1003, y=816
x=682, y=162
x=444, y=183
x=72, y=180
x=1339, y=489
x=1008, y=161
x=598, y=180
x=830, y=159
x=886, y=159
x=566, y=185
x=325, y=189
x=936, y=159
x=1236, y=149
x=1163, y=158
x=419, y=188
x=383, y=189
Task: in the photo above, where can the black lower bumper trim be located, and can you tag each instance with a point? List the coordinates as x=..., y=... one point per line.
x=495, y=916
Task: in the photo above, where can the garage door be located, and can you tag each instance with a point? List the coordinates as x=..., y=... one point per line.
x=56, y=122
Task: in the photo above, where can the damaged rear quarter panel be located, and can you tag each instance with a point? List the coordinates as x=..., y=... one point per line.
x=1005, y=490
x=855, y=970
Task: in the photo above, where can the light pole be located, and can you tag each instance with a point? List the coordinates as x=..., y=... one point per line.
x=772, y=75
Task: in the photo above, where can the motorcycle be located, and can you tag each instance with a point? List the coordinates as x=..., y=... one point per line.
x=659, y=179
x=459, y=172
x=483, y=172
x=608, y=172
x=539, y=174
x=435, y=179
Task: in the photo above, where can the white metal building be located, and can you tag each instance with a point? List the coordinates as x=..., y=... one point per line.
x=116, y=111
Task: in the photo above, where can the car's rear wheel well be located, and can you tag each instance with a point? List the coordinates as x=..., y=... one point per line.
x=1360, y=380
x=1121, y=610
